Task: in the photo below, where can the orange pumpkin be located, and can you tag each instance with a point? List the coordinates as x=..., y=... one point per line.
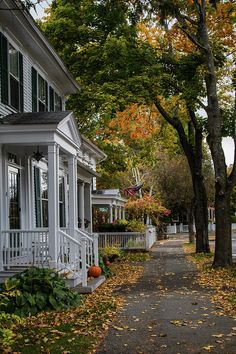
x=94, y=271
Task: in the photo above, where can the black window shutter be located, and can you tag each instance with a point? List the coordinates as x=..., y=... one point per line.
x=51, y=99
x=21, y=82
x=4, y=68
x=60, y=103
x=46, y=92
x=34, y=90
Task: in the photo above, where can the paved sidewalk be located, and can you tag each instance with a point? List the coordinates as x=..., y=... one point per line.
x=166, y=312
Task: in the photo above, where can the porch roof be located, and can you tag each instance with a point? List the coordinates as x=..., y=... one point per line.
x=35, y=118
x=108, y=197
x=41, y=128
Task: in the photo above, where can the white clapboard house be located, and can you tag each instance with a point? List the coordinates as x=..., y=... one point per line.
x=46, y=165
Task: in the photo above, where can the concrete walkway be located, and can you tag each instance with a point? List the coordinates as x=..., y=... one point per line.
x=166, y=312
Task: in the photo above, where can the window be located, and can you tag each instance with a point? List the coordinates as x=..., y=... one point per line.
x=55, y=100
x=62, y=208
x=11, y=75
x=41, y=197
x=58, y=103
x=42, y=100
x=39, y=92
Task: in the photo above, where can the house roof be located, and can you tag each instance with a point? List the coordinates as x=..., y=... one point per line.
x=35, y=118
x=110, y=192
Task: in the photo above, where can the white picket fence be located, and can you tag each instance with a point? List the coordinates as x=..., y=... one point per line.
x=175, y=229
x=128, y=240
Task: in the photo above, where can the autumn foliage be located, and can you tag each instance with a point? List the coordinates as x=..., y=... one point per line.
x=147, y=205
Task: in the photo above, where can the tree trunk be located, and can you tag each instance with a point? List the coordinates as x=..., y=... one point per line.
x=201, y=215
x=223, y=239
x=191, y=222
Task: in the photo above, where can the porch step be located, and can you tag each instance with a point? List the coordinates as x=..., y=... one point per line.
x=92, y=285
x=5, y=274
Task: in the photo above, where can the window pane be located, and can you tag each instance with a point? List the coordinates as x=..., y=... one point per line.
x=41, y=89
x=44, y=185
x=62, y=213
x=45, y=212
x=14, y=93
x=14, y=61
x=58, y=106
x=42, y=107
x=37, y=196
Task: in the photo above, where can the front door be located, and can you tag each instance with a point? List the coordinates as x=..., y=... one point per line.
x=14, y=198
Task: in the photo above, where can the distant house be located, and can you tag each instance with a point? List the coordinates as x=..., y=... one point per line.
x=46, y=165
x=108, y=205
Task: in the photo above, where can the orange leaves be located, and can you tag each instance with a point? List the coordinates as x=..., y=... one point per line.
x=146, y=205
x=136, y=122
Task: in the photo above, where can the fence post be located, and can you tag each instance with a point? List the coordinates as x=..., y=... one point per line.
x=147, y=236
x=83, y=259
x=95, y=249
x=175, y=229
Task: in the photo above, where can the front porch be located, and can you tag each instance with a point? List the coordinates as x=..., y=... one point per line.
x=45, y=193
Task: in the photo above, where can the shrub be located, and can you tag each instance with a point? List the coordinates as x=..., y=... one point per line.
x=105, y=269
x=233, y=218
x=7, y=323
x=111, y=253
x=36, y=290
x=135, y=226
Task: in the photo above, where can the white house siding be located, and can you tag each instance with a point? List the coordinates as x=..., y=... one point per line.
x=28, y=62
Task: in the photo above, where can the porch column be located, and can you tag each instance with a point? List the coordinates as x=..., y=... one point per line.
x=53, y=203
x=119, y=213
x=72, y=172
x=81, y=203
x=88, y=205
x=115, y=212
x=111, y=213
x=123, y=213
x=1, y=210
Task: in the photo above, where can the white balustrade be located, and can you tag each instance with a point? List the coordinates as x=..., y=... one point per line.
x=25, y=247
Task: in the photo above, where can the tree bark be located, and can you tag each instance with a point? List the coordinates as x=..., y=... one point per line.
x=223, y=239
x=191, y=221
x=201, y=215
x=223, y=185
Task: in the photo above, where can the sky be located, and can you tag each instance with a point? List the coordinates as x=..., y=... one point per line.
x=227, y=143
x=40, y=8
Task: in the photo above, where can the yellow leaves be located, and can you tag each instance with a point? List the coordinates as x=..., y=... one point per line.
x=218, y=335
x=208, y=348
x=221, y=280
x=92, y=318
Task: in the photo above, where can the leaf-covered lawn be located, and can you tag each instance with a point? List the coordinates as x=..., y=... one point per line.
x=80, y=329
x=223, y=281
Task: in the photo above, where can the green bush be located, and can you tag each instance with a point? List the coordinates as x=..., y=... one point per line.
x=36, y=290
x=7, y=323
x=105, y=269
x=111, y=253
x=233, y=218
x=135, y=226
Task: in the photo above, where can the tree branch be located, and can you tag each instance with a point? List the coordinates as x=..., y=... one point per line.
x=192, y=38
x=202, y=104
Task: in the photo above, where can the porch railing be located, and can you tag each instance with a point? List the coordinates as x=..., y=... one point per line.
x=22, y=248
x=123, y=240
x=128, y=240
x=79, y=253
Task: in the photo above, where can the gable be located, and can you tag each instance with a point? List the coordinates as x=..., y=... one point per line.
x=68, y=128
